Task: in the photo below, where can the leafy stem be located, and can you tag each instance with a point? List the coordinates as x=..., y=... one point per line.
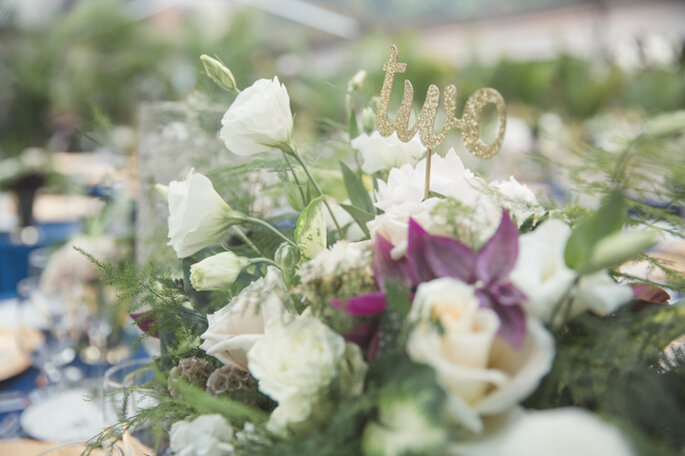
x=261, y=260
x=290, y=149
x=297, y=181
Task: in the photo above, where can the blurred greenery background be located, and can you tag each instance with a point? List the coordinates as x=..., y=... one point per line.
x=67, y=79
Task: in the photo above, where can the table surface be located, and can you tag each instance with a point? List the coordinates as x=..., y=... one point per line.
x=25, y=382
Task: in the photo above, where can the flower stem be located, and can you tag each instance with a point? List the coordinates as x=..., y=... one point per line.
x=261, y=261
x=246, y=240
x=297, y=181
x=564, y=303
x=297, y=156
x=269, y=227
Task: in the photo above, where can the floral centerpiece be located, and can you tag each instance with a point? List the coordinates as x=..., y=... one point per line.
x=467, y=318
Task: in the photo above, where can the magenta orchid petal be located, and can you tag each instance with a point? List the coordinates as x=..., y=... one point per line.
x=384, y=267
x=498, y=256
x=362, y=334
x=450, y=258
x=146, y=322
x=374, y=347
x=417, y=244
x=512, y=318
x=368, y=304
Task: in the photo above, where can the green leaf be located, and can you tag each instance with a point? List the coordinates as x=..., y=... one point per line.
x=359, y=216
x=359, y=197
x=310, y=232
x=204, y=403
x=585, y=236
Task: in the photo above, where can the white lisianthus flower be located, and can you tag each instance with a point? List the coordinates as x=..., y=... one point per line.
x=482, y=375
x=206, y=435
x=540, y=271
x=236, y=327
x=258, y=119
x=217, y=271
x=600, y=293
x=380, y=154
x=542, y=275
x=568, y=431
x=198, y=217
x=297, y=362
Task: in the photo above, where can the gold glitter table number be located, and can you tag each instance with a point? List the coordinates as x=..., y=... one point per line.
x=469, y=123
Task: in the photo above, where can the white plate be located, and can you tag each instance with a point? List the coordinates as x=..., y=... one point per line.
x=14, y=314
x=66, y=415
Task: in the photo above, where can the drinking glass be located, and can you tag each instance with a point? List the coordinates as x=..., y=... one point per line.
x=125, y=395
x=58, y=350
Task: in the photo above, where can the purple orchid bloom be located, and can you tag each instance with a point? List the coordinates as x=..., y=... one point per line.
x=431, y=257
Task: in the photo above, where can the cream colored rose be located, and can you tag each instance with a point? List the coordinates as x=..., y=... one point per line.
x=297, y=363
x=217, y=271
x=258, y=119
x=482, y=374
x=235, y=328
x=380, y=154
x=198, y=217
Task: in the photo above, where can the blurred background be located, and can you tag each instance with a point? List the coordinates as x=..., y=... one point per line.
x=101, y=99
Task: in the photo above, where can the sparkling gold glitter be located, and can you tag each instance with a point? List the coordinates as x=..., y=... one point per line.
x=469, y=123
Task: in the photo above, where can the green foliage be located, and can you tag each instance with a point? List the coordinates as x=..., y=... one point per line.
x=310, y=232
x=615, y=366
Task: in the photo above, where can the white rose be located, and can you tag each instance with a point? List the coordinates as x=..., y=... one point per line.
x=336, y=260
x=217, y=271
x=236, y=327
x=297, y=362
x=380, y=154
x=542, y=275
x=258, y=119
x=206, y=435
x=393, y=224
x=402, y=195
x=482, y=374
x=517, y=199
x=567, y=431
x=198, y=217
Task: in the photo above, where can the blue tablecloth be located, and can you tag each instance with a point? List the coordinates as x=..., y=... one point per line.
x=14, y=257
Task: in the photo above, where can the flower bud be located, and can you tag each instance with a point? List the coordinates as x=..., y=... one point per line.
x=162, y=190
x=620, y=247
x=357, y=81
x=286, y=256
x=368, y=119
x=218, y=73
x=217, y=271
